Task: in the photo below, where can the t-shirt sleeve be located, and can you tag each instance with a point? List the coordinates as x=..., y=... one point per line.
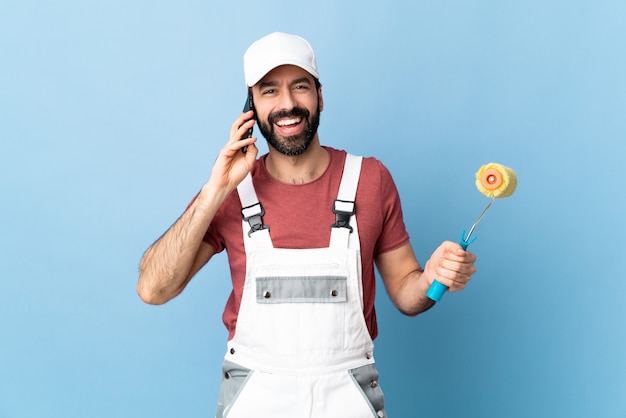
x=394, y=233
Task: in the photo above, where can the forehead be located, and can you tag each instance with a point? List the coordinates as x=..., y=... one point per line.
x=285, y=73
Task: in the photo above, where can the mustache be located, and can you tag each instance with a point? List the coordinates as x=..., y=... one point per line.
x=295, y=112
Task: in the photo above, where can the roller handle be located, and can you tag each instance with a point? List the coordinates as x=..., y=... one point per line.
x=436, y=290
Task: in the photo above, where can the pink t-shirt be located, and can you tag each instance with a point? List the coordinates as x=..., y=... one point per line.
x=300, y=216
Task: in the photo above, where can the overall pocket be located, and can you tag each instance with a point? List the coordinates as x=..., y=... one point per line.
x=234, y=378
x=366, y=378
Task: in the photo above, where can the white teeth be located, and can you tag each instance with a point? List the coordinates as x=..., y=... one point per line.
x=286, y=122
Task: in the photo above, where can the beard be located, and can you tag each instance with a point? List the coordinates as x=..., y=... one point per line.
x=293, y=145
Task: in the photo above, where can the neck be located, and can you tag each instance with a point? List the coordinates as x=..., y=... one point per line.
x=301, y=169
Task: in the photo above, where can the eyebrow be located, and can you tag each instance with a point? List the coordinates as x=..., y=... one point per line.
x=275, y=83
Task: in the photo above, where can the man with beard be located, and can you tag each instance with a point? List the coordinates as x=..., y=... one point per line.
x=303, y=227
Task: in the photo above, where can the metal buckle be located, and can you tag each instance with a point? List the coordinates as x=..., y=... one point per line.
x=343, y=210
x=254, y=217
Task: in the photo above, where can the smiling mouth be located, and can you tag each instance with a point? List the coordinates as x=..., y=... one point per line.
x=289, y=122
x=290, y=126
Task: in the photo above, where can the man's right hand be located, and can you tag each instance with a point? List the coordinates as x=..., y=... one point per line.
x=232, y=165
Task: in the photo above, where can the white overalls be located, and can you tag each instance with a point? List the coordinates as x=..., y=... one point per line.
x=301, y=347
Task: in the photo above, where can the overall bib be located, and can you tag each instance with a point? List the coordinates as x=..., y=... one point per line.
x=301, y=347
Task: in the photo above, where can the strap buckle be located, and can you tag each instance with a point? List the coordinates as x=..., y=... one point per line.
x=253, y=214
x=343, y=210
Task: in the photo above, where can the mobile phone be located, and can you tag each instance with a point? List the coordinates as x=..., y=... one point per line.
x=247, y=107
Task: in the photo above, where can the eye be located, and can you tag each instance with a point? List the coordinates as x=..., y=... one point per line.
x=268, y=92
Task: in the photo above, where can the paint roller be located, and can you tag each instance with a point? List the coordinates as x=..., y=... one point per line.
x=494, y=181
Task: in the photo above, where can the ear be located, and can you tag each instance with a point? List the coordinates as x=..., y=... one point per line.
x=320, y=98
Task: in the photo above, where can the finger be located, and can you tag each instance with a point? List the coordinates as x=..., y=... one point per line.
x=455, y=271
x=251, y=153
x=244, y=143
x=459, y=267
x=243, y=119
x=455, y=281
x=460, y=255
x=241, y=132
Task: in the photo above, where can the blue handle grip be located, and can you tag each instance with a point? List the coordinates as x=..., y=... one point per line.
x=436, y=290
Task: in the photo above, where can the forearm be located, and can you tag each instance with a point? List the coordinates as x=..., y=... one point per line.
x=407, y=283
x=404, y=280
x=166, y=267
x=410, y=297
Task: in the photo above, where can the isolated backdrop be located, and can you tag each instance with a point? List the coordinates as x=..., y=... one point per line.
x=112, y=112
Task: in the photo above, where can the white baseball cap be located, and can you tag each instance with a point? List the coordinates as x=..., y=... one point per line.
x=274, y=50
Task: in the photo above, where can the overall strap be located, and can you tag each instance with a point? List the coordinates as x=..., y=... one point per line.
x=254, y=230
x=344, y=231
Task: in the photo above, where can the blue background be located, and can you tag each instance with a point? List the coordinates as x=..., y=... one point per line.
x=111, y=114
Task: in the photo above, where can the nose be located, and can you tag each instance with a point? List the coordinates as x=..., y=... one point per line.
x=287, y=100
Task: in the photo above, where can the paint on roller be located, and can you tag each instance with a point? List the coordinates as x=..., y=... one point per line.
x=496, y=181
